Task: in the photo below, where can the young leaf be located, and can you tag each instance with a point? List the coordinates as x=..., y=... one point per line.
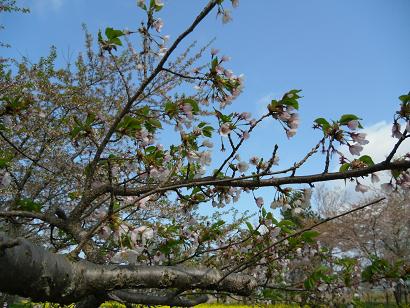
x=346, y=118
x=367, y=160
x=344, y=167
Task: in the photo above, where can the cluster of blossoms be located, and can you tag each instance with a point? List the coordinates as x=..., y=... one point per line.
x=402, y=114
x=284, y=111
x=225, y=196
x=226, y=14
x=294, y=201
x=226, y=86
x=232, y=123
x=359, y=139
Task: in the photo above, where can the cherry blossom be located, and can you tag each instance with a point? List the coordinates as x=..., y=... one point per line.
x=259, y=201
x=353, y=124
x=361, y=188
x=225, y=129
x=355, y=149
x=243, y=166
x=396, y=130
x=158, y=24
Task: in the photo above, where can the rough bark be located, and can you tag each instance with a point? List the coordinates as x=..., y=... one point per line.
x=31, y=271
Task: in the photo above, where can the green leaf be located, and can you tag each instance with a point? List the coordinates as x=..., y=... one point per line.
x=152, y=124
x=309, y=283
x=367, y=160
x=322, y=122
x=207, y=131
x=290, y=99
x=250, y=227
x=100, y=38
x=75, y=131
x=308, y=236
x=395, y=173
x=5, y=159
x=214, y=63
x=292, y=103
x=129, y=125
x=112, y=34
x=151, y=149
x=171, y=109
x=29, y=205
x=405, y=98
x=344, y=167
x=286, y=223
x=156, y=7
x=346, y=118
x=116, y=41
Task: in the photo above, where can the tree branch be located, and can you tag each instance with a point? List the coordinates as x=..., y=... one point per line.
x=31, y=271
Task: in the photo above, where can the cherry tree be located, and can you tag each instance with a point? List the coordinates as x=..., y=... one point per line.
x=378, y=238
x=95, y=208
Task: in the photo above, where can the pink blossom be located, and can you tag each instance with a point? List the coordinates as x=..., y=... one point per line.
x=214, y=51
x=225, y=59
x=259, y=201
x=226, y=17
x=158, y=24
x=245, y=116
x=387, y=187
x=243, y=166
x=396, y=130
x=228, y=73
x=293, y=121
x=375, y=178
x=207, y=143
x=284, y=116
x=291, y=132
x=254, y=160
x=225, y=129
x=361, y=188
x=205, y=158
x=245, y=135
x=235, y=3
x=286, y=206
x=355, y=149
x=359, y=138
x=276, y=204
x=353, y=124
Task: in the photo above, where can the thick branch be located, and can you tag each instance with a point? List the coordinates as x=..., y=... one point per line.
x=31, y=271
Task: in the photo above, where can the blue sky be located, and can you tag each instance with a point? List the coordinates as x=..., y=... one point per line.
x=349, y=56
